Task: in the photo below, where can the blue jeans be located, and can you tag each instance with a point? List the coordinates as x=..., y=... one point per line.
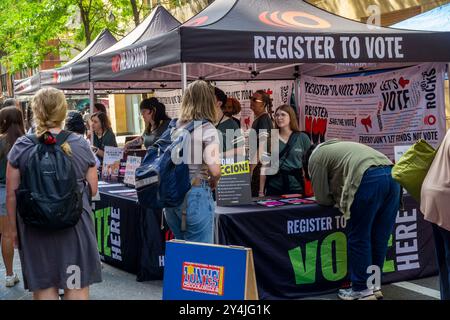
x=200, y=210
x=442, y=244
x=372, y=218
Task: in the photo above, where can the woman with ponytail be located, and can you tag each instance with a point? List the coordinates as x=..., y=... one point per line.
x=261, y=105
x=156, y=122
x=52, y=260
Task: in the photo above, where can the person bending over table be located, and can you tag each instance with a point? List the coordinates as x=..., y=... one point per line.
x=156, y=122
x=293, y=144
x=103, y=134
x=357, y=180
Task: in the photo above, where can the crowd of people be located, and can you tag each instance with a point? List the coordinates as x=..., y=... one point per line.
x=350, y=176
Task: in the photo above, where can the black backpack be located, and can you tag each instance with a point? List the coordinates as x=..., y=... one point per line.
x=48, y=196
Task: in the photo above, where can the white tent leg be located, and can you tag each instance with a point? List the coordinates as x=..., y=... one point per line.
x=183, y=76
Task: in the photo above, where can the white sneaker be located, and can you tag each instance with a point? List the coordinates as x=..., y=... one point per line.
x=349, y=294
x=11, y=281
x=378, y=294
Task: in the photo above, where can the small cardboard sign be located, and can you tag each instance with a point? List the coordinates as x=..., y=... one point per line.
x=199, y=271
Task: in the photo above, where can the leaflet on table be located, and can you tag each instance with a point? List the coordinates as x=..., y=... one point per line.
x=297, y=201
x=270, y=203
x=107, y=185
x=111, y=162
x=122, y=191
x=130, y=169
x=290, y=196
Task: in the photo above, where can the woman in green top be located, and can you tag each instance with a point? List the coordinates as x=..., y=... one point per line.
x=11, y=128
x=103, y=134
x=293, y=144
x=156, y=122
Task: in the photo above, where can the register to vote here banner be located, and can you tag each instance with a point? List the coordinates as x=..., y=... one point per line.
x=384, y=110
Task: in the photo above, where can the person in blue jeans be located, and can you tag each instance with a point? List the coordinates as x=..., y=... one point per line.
x=194, y=219
x=357, y=180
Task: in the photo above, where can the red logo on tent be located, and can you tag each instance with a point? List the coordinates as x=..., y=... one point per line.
x=116, y=63
x=197, y=21
x=296, y=19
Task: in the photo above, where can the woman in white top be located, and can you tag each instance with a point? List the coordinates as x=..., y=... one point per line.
x=194, y=220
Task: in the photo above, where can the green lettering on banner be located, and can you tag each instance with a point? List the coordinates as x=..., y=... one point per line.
x=106, y=231
x=326, y=253
x=305, y=271
x=389, y=264
x=99, y=216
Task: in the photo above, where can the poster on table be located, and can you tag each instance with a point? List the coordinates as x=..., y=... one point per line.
x=132, y=164
x=280, y=92
x=382, y=111
x=234, y=187
x=111, y=162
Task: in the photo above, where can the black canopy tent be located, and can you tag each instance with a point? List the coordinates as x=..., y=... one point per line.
x=76, y=71
x=267, y=40
x=71, y=74
x=74, y=76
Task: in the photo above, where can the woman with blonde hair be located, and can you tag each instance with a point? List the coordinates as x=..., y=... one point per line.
x=55, y=259
x=194, y=219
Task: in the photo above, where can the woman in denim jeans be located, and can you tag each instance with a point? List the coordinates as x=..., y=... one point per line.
x=194, y=219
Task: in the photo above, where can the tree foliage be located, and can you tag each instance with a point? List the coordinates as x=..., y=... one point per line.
x=29, y=29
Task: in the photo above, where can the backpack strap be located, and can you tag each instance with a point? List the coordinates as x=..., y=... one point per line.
x=62, y=137
x=191, y=125
x=33, y=137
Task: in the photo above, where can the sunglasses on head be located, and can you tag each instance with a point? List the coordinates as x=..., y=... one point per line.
x=256, y=100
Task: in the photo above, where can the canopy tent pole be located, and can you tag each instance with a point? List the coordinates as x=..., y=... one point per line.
x=91, y=105
x=173, y=73
x=297, y=95
x=279, y=68
x=226, y=67
x=183, y=76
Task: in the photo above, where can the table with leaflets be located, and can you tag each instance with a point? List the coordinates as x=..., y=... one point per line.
x=299, y=249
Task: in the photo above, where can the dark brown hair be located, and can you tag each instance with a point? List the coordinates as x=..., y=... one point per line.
x=235, y=104
x=11, y=127
x=104, y=120
x=267, y=102
x=160, y=112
